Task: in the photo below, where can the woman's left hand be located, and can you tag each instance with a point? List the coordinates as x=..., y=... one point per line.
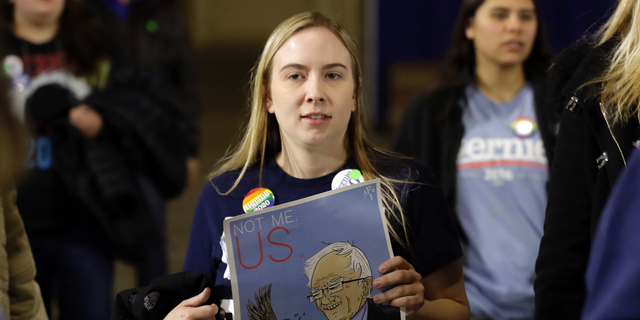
x=409, y=290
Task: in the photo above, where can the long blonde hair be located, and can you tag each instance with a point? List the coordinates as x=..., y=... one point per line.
x=262, y=133
x=12, y=140
x=620, y=83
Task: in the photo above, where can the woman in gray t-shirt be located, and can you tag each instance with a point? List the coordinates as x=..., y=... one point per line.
x=488, y=137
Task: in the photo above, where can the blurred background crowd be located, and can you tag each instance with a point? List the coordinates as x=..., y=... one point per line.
x=191, y=59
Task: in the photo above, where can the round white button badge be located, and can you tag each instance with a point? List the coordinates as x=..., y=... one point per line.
x=346, y=177
x=13, y=65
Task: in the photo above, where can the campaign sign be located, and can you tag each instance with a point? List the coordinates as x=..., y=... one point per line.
x=314, y=258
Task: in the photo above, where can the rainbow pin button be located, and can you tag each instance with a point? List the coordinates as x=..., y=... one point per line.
x=258, y=199
x=523, y=127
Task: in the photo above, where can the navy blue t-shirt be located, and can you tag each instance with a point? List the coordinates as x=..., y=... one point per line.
x=433, y=236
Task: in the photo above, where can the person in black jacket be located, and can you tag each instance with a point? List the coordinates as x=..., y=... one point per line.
x=597, y=89
x=488, y=137
x=152, y=36
x=100, y=130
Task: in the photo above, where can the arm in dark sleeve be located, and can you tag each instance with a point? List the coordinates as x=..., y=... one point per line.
x=564, y=248
x=433, y=234
x=613, y=275
x=200, y=251
x=148, y=124
x=181, y=71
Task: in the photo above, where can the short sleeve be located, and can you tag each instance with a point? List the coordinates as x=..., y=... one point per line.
x=433, y=235
x=200, y=253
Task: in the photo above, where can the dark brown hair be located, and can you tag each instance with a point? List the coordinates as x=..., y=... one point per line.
x=462, y=55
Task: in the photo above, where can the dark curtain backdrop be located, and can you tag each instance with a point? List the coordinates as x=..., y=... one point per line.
x=419, y=30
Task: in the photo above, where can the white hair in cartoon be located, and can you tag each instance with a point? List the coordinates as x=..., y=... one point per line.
x=359, y=262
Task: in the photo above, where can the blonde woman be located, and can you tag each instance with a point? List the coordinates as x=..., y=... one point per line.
x=307, y=124
x=20, y=296
x=598, y=92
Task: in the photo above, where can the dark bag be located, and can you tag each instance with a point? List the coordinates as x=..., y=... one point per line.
x=161, y=296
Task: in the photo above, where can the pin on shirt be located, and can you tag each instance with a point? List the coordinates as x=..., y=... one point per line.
x=523, y=127
x=258, y=199
x=346, y=177
x=14, y=67
x=152, y=26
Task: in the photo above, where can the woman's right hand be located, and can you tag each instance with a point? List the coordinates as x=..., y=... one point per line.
x=193, y=309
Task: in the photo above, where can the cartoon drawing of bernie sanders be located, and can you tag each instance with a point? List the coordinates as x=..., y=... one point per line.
x=340, y=282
